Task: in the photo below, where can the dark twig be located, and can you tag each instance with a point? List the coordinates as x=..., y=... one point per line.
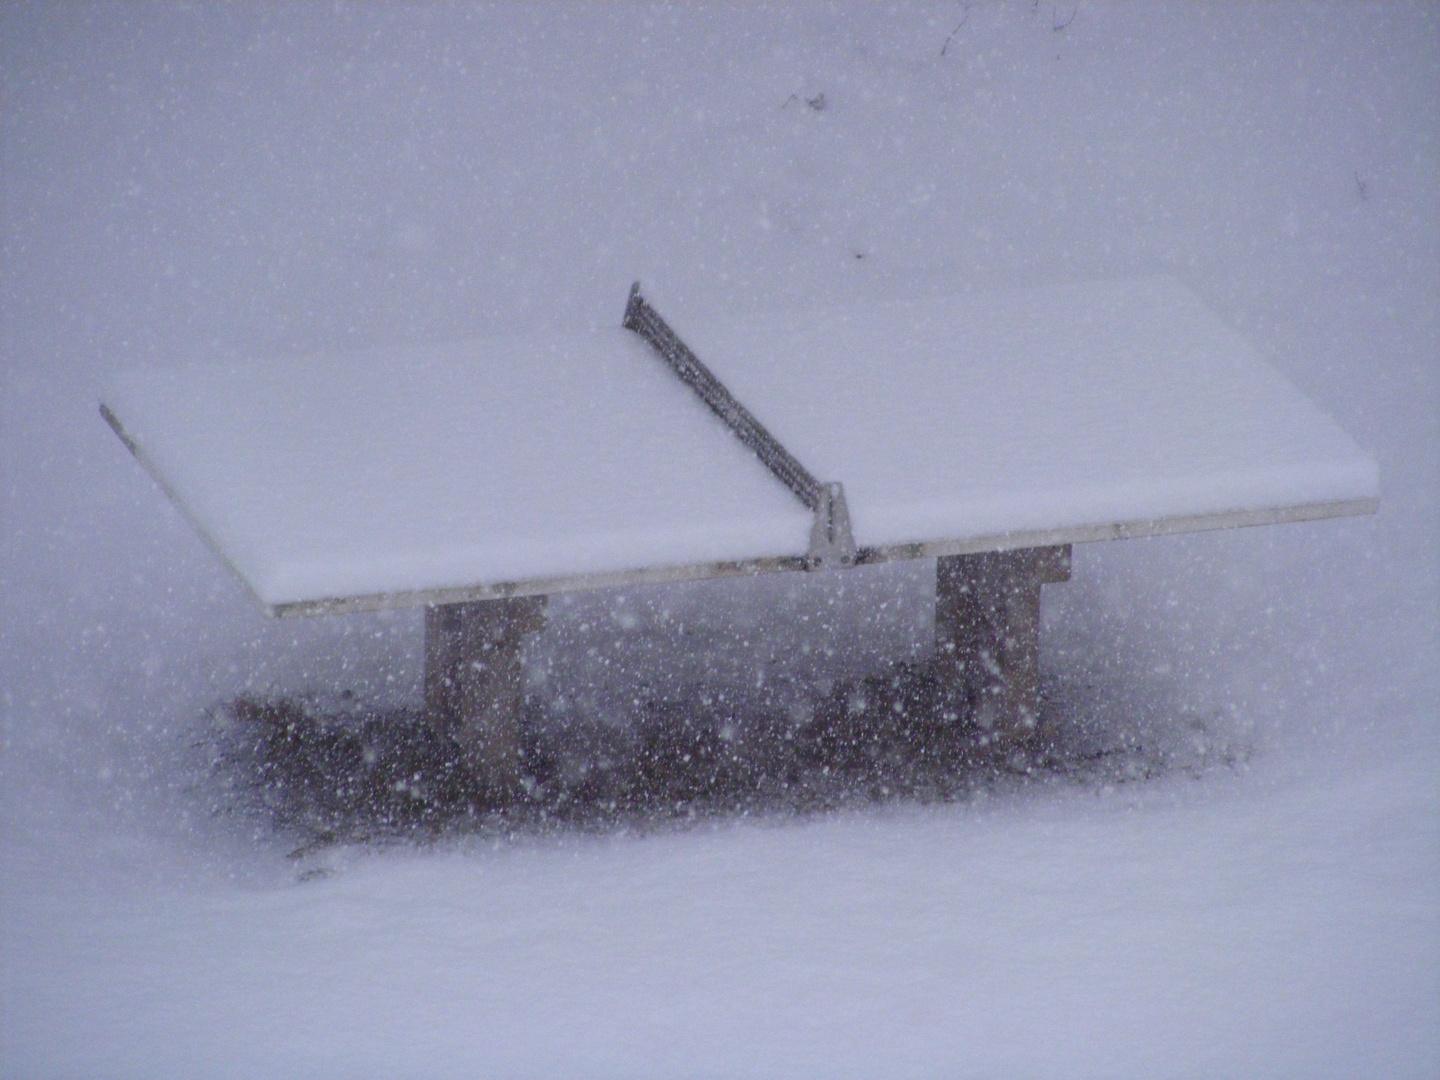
x=1056, y=24
x=817, y=103
x=963, y=20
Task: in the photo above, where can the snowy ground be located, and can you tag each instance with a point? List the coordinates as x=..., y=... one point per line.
x=1259, y=896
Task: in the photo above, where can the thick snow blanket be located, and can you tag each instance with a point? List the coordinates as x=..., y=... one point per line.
x=1054, y=415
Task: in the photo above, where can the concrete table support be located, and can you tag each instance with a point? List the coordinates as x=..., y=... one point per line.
x=475, y=685
x=987, y=634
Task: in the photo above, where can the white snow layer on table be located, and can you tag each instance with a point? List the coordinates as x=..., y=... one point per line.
x=1044, y=409
x=1065, y=408
x=427, y=468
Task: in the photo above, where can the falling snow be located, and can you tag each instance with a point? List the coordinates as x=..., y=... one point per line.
x=1228, y=861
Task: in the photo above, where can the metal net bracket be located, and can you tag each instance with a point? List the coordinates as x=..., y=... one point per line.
x=832, y=546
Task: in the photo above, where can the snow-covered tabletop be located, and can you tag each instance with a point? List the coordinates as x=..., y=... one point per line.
x=534, y=464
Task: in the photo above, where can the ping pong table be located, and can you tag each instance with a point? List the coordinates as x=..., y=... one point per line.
x=989, y=432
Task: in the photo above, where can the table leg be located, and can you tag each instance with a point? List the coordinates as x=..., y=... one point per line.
x=987, y=636
x=475, y=685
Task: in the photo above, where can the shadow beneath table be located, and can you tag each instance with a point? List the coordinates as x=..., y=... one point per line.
x=328, y=775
